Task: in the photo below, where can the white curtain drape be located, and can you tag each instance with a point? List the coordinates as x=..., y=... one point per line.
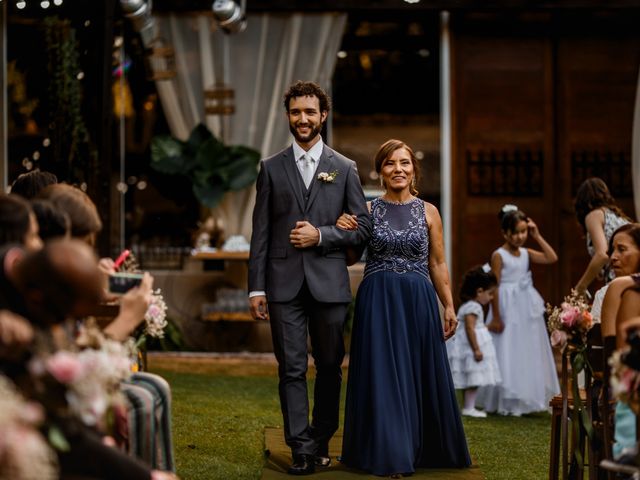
x=259, y=64
x=635, y=152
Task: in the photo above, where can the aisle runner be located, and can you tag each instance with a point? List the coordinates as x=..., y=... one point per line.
x=279, y=459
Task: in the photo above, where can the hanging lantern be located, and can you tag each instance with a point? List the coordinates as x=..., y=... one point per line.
x=219, y=100
x=161, y=60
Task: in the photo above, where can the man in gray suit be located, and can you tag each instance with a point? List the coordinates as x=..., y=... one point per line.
x=298, y=276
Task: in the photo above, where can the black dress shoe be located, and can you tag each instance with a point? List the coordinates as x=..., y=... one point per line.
x=302, y=465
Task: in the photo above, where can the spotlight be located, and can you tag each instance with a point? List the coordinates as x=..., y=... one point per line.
x=229, y=15
x=139, y=12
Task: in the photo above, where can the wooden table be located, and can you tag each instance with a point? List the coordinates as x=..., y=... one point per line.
x=241, y=316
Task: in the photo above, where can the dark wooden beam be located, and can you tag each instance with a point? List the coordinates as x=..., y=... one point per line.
x=4, y=158
x=103, y=178
x=396, y=5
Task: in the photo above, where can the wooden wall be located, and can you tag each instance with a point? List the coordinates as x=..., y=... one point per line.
x=540, y=102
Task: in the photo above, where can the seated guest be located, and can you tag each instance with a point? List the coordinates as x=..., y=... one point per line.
x=624, y=261
x=52, y=222
x=29, y=184
x=149, y=395
x=60, y=281
x=616, y=308
x=18, y=223
x=82, y=212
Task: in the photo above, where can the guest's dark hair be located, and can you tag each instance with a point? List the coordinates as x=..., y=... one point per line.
x=631, y=229
x=307, y=89
x=510, y=216
x=82, y=212
x=15, y=219
x=29, y=184
x=58, y=279
x=386, y=150
x=474, y=279
x=53, y=221
x=592, y=194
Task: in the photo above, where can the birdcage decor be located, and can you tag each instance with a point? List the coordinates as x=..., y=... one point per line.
x=219, y=100
x=161, y=58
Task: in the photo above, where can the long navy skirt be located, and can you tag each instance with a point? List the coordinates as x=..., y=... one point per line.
x=401, y=410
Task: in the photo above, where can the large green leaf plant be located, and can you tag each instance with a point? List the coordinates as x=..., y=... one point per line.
x=212, y=167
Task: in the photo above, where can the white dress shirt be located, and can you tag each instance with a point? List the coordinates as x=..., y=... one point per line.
x=315, y=153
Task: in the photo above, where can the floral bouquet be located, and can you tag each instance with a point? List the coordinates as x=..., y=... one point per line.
x=156, y=316
x=570, y=322
x=87, y=381
x=625, y=381
x=625, y=372
x=24, y=452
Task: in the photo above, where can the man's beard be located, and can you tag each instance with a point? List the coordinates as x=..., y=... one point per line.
x=315, y=130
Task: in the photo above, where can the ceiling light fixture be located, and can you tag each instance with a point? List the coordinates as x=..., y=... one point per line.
x=230, y=16
x=139, y=12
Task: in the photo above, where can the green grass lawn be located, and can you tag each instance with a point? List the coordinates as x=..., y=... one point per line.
x=219, y=412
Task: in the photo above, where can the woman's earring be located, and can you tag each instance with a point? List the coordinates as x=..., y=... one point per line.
x=413, y=182
x=382, y=182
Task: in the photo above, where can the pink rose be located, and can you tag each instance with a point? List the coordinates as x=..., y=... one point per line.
x=627, y=378
x=153, y=311
x=570, y=316
x=559, y=339
x=65, y=367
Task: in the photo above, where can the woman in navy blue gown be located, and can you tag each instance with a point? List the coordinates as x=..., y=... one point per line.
x=401, y=410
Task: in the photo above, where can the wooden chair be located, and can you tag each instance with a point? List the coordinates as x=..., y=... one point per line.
x=607, y=407
x=564, y=444
x=608, y=466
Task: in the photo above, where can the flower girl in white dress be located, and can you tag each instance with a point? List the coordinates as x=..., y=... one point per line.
x=472, y=357
x=516, y=321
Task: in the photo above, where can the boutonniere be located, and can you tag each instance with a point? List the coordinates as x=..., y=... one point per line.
x=327, y=177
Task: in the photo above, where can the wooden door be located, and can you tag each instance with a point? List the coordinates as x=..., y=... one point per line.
x=503, y=145
x=596, y=88
x=539, y=104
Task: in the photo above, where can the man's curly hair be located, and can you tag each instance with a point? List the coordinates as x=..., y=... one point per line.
x=307, y=89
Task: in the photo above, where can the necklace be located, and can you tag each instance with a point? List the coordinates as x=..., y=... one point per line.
x=396, y=202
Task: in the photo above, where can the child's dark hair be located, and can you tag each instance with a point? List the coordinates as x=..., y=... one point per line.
x=510, y=216
x=474, y=279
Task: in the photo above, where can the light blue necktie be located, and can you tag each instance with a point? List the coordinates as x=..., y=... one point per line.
x=306, y=169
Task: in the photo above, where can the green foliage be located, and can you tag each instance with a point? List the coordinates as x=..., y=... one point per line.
x=57, y=439
x=212, y=167
x=69, y=135
x=172, y=340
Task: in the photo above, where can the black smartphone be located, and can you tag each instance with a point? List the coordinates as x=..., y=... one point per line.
x=120, y=283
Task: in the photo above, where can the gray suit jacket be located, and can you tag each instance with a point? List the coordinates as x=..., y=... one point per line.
x=276, y=266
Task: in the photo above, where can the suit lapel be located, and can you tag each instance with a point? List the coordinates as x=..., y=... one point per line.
x=325, y=165
x=293, y=175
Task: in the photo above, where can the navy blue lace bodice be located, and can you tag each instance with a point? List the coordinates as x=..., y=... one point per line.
x=400, y=239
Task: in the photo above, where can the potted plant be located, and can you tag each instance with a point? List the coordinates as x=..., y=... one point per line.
x=211, y=167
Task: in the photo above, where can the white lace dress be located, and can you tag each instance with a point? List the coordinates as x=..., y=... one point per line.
x=529, y=376
x=466, y=372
